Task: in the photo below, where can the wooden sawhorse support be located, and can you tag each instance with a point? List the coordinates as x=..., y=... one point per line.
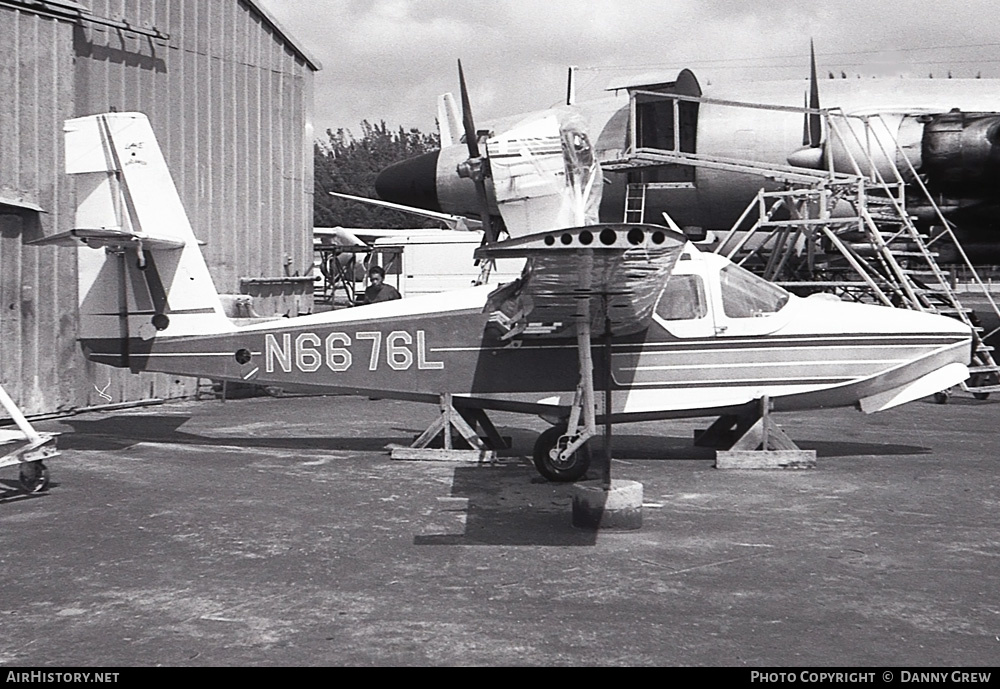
x=760, y=442
x=450, y=418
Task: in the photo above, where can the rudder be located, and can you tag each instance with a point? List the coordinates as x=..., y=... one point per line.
x=140, y=268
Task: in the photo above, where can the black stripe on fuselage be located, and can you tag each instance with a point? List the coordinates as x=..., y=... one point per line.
x=147, y=312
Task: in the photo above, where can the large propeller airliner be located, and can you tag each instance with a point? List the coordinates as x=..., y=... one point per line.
x=946, y=130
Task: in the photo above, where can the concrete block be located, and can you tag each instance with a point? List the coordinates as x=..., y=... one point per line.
x=619, y=507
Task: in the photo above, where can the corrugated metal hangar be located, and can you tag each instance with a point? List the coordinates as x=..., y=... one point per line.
x=229, y=95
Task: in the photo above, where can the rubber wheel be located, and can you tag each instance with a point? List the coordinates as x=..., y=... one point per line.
x=941, y=397
x=34, y=477
x=980, y=380
x=572, y=469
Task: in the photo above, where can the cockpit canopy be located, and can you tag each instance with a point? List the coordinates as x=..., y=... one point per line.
x=745, y=295
x=708, y=289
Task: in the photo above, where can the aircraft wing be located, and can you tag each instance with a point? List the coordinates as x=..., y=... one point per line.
x=108, y=237
x=453, y=222
x=606, y=271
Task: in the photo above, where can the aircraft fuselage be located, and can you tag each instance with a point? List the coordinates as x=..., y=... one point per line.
x=802, y=353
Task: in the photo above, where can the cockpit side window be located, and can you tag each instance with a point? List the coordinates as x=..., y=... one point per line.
x=683, y=298
x=744, y=295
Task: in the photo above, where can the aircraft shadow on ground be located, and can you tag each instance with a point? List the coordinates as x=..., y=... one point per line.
x=508, y=506
x=123, y=432
x=668, y=447
x=11, y=491
x=515, y=506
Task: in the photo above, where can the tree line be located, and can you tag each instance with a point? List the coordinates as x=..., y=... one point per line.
x=348, y=164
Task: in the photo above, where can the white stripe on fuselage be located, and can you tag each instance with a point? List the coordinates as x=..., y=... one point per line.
x=472, y=299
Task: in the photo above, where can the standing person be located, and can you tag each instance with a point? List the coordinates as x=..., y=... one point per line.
x=377, y=289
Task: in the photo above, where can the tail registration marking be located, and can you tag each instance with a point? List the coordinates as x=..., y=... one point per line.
x=310, y=352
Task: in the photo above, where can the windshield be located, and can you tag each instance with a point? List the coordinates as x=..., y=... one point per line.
x=683, y=298
x=744, y=295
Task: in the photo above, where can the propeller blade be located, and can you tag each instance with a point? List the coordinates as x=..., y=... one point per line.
x=475, y=162
x=805, y=121
x=815, y=131
x=471, y=140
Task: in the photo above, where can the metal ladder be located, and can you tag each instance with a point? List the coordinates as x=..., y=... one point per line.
x=909, y=254
x=635, y=203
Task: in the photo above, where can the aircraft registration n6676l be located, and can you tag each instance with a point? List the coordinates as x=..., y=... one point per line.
x=630, y=313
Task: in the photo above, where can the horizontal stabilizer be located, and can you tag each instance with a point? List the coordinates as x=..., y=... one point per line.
x=109, y=238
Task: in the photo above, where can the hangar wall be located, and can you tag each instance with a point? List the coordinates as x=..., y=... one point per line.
x=230, y=98
x=38, y=353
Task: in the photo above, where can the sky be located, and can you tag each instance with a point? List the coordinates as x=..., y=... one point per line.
x=389, y=60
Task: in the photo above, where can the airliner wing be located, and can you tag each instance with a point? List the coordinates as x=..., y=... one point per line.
x=613, y=272
x=453, y=222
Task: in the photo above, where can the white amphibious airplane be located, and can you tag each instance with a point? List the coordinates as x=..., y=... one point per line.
x=631, y=313
x=947, y=129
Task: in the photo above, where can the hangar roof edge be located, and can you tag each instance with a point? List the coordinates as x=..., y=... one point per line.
x=74, y=9
x=276, y=25
x=63, y=6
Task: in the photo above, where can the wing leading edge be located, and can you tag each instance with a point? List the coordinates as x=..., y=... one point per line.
x=607, y=271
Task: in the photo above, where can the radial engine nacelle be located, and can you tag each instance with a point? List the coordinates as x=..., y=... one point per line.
x=956, y=152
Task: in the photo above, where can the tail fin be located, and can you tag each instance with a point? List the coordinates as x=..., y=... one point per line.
x=141, y=271
x=448, y=121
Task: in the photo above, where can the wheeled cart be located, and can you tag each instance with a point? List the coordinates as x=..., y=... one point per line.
x=26, y=448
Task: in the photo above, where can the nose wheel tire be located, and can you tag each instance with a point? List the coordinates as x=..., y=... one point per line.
x=34, y=477
x=571, y=469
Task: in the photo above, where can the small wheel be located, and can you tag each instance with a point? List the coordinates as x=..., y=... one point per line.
x=941, y=397
x=979, y=380
x=570, y=469
x=34, y=477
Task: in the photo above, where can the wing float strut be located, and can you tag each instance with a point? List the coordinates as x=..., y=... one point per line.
x=602, y=279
